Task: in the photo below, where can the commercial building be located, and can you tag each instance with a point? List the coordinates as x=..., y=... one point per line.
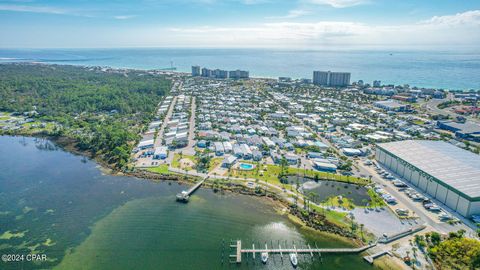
x=391, y=105
x=322, y=165
x=238, y=74
x=220, y=74
x=195, y=70
x=206, y=72
x=468, y=130
x=161, y=152
x=328, y=78
x=146, y=143
x=447, y=173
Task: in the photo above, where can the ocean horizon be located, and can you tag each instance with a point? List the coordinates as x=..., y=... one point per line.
x=453, y=70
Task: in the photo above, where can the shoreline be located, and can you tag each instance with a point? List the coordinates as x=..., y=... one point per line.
x=178, y=72
x=68, y=145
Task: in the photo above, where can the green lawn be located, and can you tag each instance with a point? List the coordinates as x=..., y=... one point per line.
x=267, y=173
x=270, y=173
x=376, y=200
x=48, y=126
x=329, y=176
x=335, y=201
x=419, y=122
x=214, y=162
x=338, y=218
x=162, y=169
x=176, y=160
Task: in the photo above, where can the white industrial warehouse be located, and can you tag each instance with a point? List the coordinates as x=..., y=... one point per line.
x=448, y=173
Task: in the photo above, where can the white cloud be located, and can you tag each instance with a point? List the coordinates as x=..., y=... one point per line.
x=43, y=9
x=124, y=17
x=255, y=2
x=471, y=17
x=450, y=31
x=282, y=34
x=294, y=13
x=33, y=9
x=458, y=29
x=339, y=3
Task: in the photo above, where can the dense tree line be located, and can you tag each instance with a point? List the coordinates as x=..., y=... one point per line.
x=103, y=111
x=454, y=252
x=57, y=90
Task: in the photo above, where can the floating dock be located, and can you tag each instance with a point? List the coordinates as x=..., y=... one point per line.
x=372, y=257
x=185, y=195
x=239, y=250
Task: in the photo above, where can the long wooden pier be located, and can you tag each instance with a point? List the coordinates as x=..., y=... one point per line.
x=185, y=195
x=239, y=250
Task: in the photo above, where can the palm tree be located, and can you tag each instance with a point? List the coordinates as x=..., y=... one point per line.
x=352, y=218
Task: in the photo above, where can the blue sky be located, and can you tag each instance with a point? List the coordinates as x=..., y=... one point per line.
x=301, y=24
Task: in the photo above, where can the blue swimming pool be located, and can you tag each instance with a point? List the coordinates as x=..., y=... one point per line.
x=246, y=166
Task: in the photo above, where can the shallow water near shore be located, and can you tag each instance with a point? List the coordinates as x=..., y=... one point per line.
x=59, y=204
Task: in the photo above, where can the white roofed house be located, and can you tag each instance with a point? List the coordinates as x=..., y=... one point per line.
x=161, y=152
x=219, y=149
x=228, y=161
x=144, y=144
x=291, y=159
x=227, y=146
x=247, y=153
x=352, y=152
x=257, y=155
x=269, y=143
x=237, y=151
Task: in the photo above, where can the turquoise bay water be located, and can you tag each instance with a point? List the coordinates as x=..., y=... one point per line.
x=55, y=203
x=456, y=70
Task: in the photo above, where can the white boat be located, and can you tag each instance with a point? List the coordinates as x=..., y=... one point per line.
x=445, y=216
x=294, y=259
x=264, y=257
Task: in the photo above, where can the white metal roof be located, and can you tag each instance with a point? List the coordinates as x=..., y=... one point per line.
x=456, y=167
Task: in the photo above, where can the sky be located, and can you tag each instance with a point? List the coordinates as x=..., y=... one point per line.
x=297, y=24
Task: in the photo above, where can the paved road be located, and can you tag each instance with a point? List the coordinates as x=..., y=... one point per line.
x=431, y=106
x=158, y=140
x=190, y=148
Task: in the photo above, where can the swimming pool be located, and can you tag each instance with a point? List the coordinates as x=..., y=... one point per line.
x=246, y=166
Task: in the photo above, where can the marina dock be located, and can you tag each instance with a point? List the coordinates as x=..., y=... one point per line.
x=281, y=250
x=185, y=195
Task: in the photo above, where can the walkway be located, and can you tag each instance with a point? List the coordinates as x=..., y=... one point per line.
x=280, y=250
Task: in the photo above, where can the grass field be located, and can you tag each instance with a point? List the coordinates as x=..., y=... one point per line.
x=214, y=162
x=35, y=126
x=176, y=161
x=270, y=174
x=335, y=201
x=162, y=169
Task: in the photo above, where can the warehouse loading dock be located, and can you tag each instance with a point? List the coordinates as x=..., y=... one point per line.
x=448, y=173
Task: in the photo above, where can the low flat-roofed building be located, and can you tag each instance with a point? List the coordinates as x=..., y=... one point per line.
x=352, y=152
x=448, y=173
x=391, y=105
x=161, y=152
x=146, y=144
x=467, y=130
x=228, y=161
x=324, y=166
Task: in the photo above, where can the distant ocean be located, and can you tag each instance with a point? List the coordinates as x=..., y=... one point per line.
x=439, y=69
